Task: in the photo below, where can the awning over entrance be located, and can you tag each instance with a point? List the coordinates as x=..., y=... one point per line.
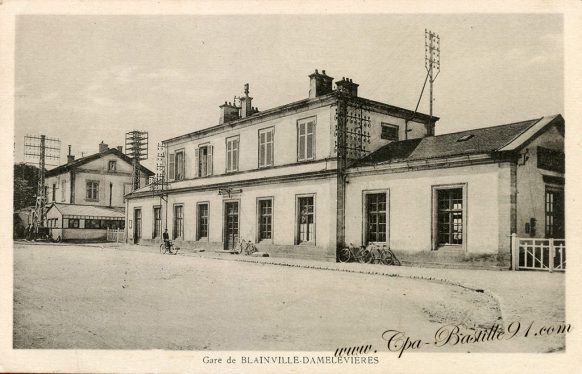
x=89, y=211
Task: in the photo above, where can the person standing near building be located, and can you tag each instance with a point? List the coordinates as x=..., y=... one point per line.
x=166, y=238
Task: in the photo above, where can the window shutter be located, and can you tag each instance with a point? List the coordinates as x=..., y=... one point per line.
x=183, y=171
x=269, y=151
x=310, y=146
x=209, y=160
x=301, y=142
x=235, y=155
x=196, y=158
x=171, y=167
x=262, y=149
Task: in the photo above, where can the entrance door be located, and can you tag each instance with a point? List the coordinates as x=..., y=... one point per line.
x=230, y=225
x=136, y=225
x=554, y=213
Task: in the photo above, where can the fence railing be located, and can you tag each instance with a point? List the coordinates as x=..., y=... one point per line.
x=115, y=235
x=538, y=254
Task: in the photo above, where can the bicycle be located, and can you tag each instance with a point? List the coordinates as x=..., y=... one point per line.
x=351, y=253
x=250, y=248
x=240, y=247
x=245, y=247
x=169, y=248
x=376, y=254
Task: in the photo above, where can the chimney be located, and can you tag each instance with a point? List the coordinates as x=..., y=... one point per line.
x=120, y=148
x=347, y=85
x=246, y=103
x=228, y=112
x=70, y=157
x=103, y=147
x=319, y=84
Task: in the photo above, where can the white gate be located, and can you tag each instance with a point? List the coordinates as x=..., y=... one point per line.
x=117, y=236
x=538, y=254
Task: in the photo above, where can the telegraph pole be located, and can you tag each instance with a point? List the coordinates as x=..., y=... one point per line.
x=432, y=63
x=136, y=147
x=37, y=149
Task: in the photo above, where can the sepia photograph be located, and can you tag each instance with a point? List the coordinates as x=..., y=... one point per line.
x=294, y=191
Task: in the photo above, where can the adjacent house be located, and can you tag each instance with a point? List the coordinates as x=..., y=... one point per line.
x=86, y=196
x=335, y=168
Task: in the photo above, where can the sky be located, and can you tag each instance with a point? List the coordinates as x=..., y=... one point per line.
x=87, y=79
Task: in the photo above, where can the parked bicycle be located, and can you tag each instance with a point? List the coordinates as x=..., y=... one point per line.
x=169, y=248
x=351, y=253
x=245, y=247
x=379, y=254
x=251, y=248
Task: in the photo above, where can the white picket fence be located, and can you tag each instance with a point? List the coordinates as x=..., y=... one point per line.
x=538, y=254
x=115, y=235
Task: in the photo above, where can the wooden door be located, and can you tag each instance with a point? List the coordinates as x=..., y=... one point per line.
x=231, y=224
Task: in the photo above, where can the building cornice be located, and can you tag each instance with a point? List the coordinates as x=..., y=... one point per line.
x=312, y=175
x=430, y=164
x=298, y=107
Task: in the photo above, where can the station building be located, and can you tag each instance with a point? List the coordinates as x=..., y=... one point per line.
x=85, y=196
x=301, y=179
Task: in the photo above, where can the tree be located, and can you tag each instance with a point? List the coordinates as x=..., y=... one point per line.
x=25, y=185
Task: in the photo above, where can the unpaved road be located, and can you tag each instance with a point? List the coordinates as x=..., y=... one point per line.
x=103, y=298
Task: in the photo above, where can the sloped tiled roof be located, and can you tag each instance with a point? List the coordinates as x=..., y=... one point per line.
x=76, y=163
x=469, y=142
x=88, y=210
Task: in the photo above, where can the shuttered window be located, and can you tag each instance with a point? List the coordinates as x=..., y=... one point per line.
x=266, y=147
x=232, y=151
x=306, y=139
x=179, y=165
x=204, y=160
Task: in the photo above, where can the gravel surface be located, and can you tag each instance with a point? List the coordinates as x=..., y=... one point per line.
x=131, y=297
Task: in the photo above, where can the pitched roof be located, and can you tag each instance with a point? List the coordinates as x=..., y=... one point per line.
x=76, y=163
x=88, y=210
x=469, y=142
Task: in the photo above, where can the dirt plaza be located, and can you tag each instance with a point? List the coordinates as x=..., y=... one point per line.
x=131, y=297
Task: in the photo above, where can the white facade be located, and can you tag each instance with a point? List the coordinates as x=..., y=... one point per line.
x=232, y=163
x=275, y=178
x=102, y=181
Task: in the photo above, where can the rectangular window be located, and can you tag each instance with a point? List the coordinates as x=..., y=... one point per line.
x=157, y=222
x=179, y=165
x=54, y=192
x=450, y=216
x=376, y=217
x=306, y=139
x=305, y=220
x=266, y=147
x=178, y=221
x=92, y=224
x=389, y=132
x=74, y=223
x=265, y=219
x=549, y=159
x=202, y=221
x=232, y=145
x=112, y=165
x=63, y=190
x=204, y=160
x=93, y=190
x=554, y=213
